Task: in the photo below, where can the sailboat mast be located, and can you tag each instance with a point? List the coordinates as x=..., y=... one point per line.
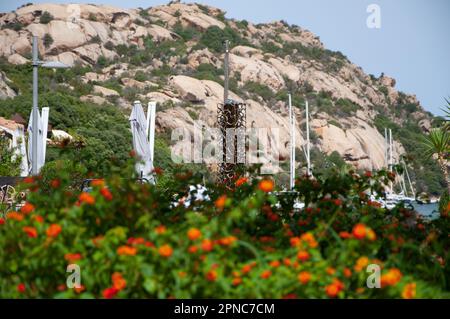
x=386, y=148
x=308, y=155
x=409, y=180
x=391, y=161
x=292, y=153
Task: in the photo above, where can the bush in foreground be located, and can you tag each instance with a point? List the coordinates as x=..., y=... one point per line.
x=130, y=241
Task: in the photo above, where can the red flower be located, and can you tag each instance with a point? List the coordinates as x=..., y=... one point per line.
x=221, y=201
x=106, y=193
x=266, y=274
x=241, y=181
x=86, y=198
x=194, y=234
x=30, y=231
x=207, y=245
x=165, y=251
x=21, y=288
x=27, y=208
x=72, y=257
x=211, y=275
x=2, y=221
x=266, y=185
x=119, y=282
x=303, y=255
x=109, y=293
x=55, y=183
x=53, y=231
x=359, y=231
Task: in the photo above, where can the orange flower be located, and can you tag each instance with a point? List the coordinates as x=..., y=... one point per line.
x=55, y=183
x=226, y=241
x=304, y=277
x=274, y=263
x=161, y=229
x=309, y=238
x=14, y=216
x=330, y=270
x=347, y=272
x=165, y=251
x=109, y=293
x=118, y=281
x=39, y=219
x=359, y=231
x=303, y=255
x=21, y=288
x=211, y=275
x=361, y=263
x=106, y=194
x=241, y=181
x=409, y=291
x=371, y=235
x=221, y=201
x=79, y=289
x=194, y=234
x=86, y=198
x=266, y=274
x=236, y=281
x=207, y=245
x=53, y=231
x=246, y=269
x=192, y=249
x=30, y=231
x=295, y=241
x=345, y=235
x=126, y=251
x=98, y=182
x=72, y=257
x=332, y=290
x=287, y=262
x=266, y=185
x=391, y=278
x=27, y=208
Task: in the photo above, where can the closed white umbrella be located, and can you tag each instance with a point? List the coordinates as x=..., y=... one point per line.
x=42, y=137
x=141, y=143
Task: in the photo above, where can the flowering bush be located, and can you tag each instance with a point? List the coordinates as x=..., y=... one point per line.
x=131, y=241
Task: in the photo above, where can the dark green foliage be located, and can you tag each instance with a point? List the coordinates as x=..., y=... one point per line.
x=48, y=40
x=187, y=33
x=92, y=17
x=104, y=129
x=259, y=89
x=96, y=39
x=9, y=164
x=16, y=26
x=102, y=61
x=243, y=25
x=208, y=72
x=443, y=202
x=214, y=37
x=345, y=107
x=324, y=164
x=46, y=17
x=140, y=76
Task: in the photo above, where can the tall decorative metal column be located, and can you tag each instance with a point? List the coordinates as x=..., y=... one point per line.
x=231, y=118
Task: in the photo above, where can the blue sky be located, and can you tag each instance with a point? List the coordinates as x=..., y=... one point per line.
x=412, y=44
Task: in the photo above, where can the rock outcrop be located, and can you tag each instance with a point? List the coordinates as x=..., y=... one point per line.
x=89, y=34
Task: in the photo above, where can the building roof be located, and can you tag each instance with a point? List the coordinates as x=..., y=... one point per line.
x=9, y=125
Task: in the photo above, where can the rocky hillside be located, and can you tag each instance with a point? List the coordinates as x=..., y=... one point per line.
x=173, y=54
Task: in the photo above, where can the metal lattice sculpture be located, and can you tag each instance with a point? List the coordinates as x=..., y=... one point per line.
x=232, y=124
